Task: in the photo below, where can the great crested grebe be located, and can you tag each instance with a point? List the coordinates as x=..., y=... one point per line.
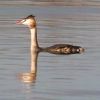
x=55, y=49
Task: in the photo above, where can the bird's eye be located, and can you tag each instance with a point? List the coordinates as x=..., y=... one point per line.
x=23, y=20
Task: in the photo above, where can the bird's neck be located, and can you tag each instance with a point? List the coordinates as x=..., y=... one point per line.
x=34, y=42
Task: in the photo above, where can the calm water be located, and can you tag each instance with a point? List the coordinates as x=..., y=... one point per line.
x=72, y=77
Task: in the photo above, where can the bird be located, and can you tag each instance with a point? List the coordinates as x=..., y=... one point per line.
x=63, y=49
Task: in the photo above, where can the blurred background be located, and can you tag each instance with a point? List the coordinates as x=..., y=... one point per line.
x=67, y=77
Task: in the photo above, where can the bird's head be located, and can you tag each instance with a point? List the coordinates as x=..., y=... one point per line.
x=29, y=21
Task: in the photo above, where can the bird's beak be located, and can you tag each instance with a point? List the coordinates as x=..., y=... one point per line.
x=19, y=21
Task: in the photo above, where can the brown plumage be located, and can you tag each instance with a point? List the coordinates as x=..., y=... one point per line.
x=63, y=49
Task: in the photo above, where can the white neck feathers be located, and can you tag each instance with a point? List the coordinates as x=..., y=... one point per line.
x=34, y=43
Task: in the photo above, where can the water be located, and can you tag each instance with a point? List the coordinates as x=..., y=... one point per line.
x=72, y=77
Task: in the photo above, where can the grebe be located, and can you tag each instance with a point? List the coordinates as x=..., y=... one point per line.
x=55, y=49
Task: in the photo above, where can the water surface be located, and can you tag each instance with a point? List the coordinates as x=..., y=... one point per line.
x=71, y=77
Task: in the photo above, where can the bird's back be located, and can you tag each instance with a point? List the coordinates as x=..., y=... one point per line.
x=64, y=49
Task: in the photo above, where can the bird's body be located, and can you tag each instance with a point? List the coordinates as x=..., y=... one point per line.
x=63, y=49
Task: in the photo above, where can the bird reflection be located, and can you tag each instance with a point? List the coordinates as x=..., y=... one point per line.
x=30, y=77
